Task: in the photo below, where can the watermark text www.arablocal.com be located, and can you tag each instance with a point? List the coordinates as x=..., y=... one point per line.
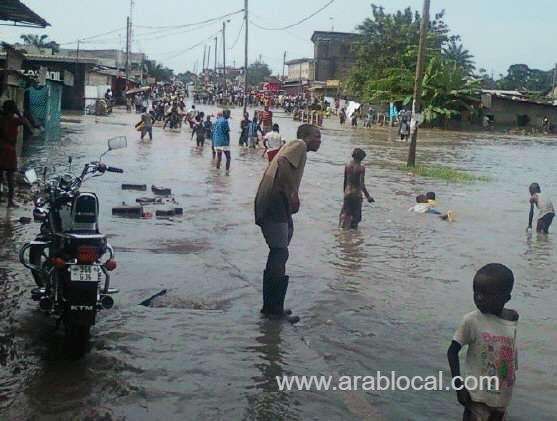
x=383, y=382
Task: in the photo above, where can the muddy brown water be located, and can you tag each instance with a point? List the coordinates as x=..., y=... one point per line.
x=387, y=297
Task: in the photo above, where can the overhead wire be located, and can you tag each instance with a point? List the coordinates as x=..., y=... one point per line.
x=282, y=28
x=192, y=24
x=177, y=53
x=237, y=37
x=93, y=36
x=158, y=30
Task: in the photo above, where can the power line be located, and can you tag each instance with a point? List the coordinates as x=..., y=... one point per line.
x=159, y=29
x=93, y=36
x=176, y=53
x=192, y=24
x=237, y=37
x=147, y=36
x=154, y=36
x=282, y=28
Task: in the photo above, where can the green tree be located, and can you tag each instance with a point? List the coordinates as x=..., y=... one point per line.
x=447, y=90
x=390, y=41
x=386, y=65
x=158, y=71
x=521, y=77
x=456, y=52
x=257, y=72
x=186, y=77
x=40, y=41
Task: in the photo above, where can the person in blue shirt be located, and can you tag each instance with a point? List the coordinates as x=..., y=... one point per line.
x=253, y=129
x=221, y=139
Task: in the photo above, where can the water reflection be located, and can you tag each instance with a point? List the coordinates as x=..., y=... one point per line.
x=350, y=252
x=268, y=402
x=540, y=255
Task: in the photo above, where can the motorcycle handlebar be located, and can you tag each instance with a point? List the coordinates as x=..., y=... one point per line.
x=114, y=169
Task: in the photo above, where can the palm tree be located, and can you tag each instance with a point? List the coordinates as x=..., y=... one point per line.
x=462, y=57
x=158, y=71
x=40, y=42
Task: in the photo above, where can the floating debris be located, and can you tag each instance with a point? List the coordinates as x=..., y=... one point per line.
x=149, y=301
x=161, y=191
x=149, y=200
x=129, y=211
x=139, y=187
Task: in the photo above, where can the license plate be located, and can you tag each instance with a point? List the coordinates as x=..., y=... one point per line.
x=86, y=273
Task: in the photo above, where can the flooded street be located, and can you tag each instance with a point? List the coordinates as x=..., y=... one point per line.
x=387, y=297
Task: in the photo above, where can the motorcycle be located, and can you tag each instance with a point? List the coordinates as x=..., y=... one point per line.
x=66, y=258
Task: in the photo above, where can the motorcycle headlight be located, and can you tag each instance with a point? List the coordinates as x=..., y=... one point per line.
x=66, y=181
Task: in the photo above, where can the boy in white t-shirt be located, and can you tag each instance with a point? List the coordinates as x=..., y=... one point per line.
x=272, y=142
x=490, y=333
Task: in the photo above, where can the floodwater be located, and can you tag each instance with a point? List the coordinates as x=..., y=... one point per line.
x=387, y=297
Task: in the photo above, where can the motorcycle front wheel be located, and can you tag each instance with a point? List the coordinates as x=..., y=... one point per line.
x=38, y=259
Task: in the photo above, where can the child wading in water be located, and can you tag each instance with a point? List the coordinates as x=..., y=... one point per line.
x=354, y=186
x=546, y=210
x=490, y=333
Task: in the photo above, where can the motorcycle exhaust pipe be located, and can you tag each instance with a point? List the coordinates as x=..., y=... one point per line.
x=107, y=302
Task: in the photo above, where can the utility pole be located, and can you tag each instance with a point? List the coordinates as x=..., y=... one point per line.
x=77, y=69
x=417, y=103
x=554, y=80
x=216, y=45
x=204, y=55
x=129, y=43
x=127, y=51
x=283, y=64
x=224, y=54
x=246, y=56
x=301, y=87
x=208, y=58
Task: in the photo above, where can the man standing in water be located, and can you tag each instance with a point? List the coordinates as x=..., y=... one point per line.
x=221, y=139
x=147, y=120
x=275, y=203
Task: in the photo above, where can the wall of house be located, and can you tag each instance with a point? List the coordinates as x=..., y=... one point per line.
x=506, y=112
x=306, y=69
x=334, y=58
x=98, y=79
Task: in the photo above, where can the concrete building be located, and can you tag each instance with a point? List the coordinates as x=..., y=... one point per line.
x=115, y=59
x=334, y=54
x=300, y=75
x=300, y=69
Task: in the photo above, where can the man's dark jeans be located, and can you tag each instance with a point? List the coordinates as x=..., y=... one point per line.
x=278, y=236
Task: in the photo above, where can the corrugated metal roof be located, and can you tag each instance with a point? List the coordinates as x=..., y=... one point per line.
x=56, y=58
x=298, y=61
x=16, y=12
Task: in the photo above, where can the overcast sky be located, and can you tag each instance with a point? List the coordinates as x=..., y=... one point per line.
x=497, y=32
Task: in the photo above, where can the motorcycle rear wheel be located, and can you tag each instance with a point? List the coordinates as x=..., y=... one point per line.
x=77, y=339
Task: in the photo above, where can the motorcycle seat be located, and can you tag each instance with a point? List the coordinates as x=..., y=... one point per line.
x=83, y=235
